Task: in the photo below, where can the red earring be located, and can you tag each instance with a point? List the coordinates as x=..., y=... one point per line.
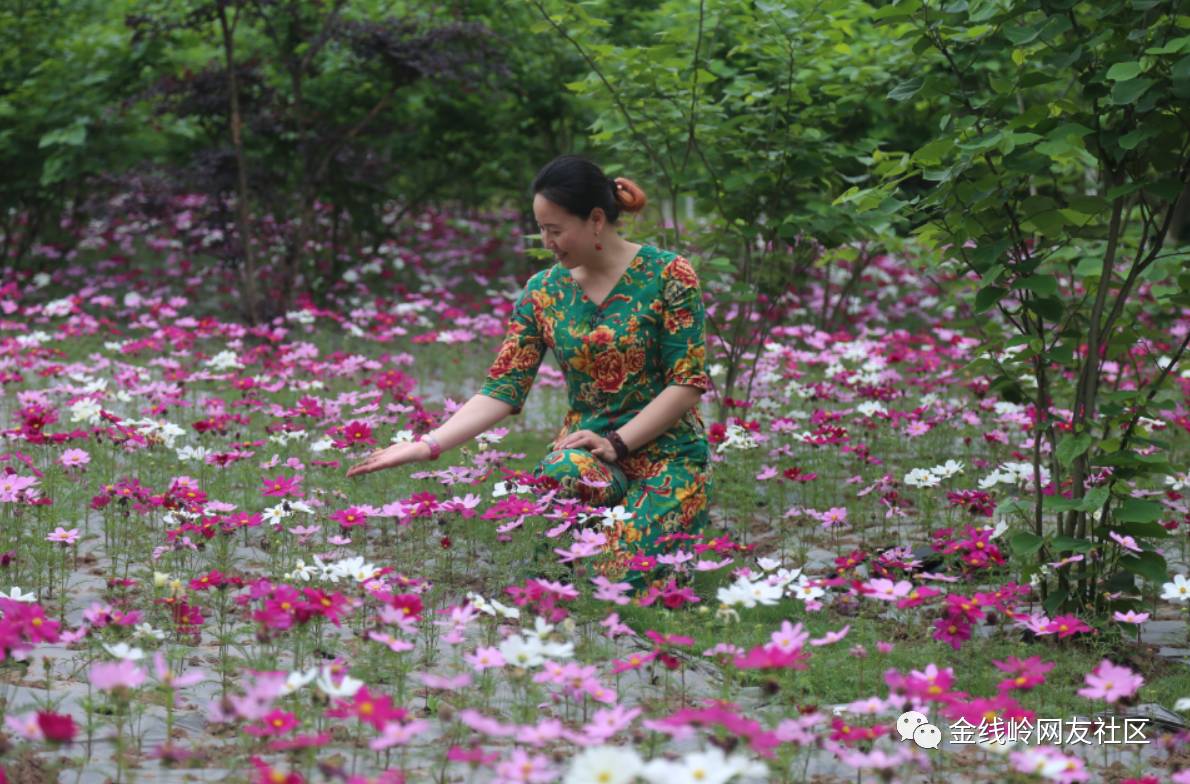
x=598, y=246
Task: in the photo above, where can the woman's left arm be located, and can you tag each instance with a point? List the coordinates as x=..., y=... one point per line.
x=654, y=419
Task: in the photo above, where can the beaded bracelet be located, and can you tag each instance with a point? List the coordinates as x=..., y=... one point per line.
x=617, y=444
x=435, y=447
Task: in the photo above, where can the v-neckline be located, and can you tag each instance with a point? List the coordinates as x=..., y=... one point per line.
x=607, y=297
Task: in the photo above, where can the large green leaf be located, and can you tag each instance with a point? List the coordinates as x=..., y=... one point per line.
x=1148, y=565
x=1128, y=92
x=1071, y=447
x=1136, y=510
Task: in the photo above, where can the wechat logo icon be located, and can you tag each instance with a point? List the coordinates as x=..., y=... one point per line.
x=914, y=726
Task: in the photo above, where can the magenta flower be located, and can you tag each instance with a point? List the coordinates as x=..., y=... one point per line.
x=1026, y=673
x=769, y=657
x=1110, y=682
x=282, y=487
x=1067, y=625
x=109, y=676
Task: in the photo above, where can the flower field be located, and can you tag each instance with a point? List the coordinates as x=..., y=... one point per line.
x=194, y=590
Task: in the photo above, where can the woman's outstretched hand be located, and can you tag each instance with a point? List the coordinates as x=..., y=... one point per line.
x=390, y=457
x=592, y=442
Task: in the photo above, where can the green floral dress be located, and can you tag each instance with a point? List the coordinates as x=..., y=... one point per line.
x=616, y=357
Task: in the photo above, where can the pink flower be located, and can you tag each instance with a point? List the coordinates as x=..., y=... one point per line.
x=1127, y=542
x=1026, y=673
x=1132, y=616
x=1067, y=625
x=445, y=682
x=887, y=590
x=1110, y=682
x=831, y=637
x=109, y=676
x=485, y=658
x=611, y=592
x=172, y=679
x=523, y=768
x=277, y=722
x=789, y=637
x=72, y=458
x=767, y=657
x=836, y=515
x=61, y=536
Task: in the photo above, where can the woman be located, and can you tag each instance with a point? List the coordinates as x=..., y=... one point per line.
x=625, y=322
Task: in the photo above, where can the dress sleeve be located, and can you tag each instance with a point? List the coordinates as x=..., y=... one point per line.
x=512, y=373
x=683, y=331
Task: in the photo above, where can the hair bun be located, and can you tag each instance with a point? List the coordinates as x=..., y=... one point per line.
x=629, y=195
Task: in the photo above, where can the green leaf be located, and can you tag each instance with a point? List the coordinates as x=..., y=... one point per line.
x=906, y=89
x=1127, y=92
x=1041, y=285
x=72, y=135
x=1095, y=498
x=1071, y=447
x=1054, y=601
x=1061, y=544
x=988, y=296
x=1130, y=141
x=1122, y=72
x=1136, y=510
x=1025, y=543
x=1148, y=565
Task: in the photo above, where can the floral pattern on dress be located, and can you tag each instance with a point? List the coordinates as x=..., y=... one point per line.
x=617, y=356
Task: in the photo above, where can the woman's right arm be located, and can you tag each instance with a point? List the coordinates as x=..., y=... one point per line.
x=478, y=414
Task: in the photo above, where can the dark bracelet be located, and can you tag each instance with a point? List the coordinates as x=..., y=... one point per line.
x=617, y=444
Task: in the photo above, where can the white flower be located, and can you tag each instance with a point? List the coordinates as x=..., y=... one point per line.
x=921, y=477
x=749, y=594
x=58, y=307
x=522, y=652
x=357, y=569
x=346, y=687
x=301, y=571
x=1178, y=481
x=1182, y=705
x=768, y=564
x=321, y=445
x=871, y=408
x=948, y=469
x=1178, y=590
x=505, y=611
x=274, y=515
x=17, y=595
x=86, y=411
x=603, y=765
x=123, y=650
x=805, y=591
x=224, y=360
x=146, y=630
x=296, y=680
x=704, y=767
x=299, y=505
x=193, y=453
x=615, y=515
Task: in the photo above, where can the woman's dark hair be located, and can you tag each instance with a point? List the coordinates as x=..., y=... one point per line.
x=579, y=186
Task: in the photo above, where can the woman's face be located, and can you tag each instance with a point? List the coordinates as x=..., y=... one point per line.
x=570, y=238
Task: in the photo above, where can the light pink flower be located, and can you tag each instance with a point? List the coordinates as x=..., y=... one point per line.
x=1127, y=542
x=109, y=676
x=1110, y=682
x=831, y=637
x=72, y=458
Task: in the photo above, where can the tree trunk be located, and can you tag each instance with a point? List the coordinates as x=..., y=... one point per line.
x=243, y=226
